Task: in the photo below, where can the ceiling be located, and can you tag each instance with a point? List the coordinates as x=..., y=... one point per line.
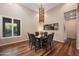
x=35, y=6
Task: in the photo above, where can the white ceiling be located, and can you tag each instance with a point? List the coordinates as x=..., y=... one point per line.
x=35, y=6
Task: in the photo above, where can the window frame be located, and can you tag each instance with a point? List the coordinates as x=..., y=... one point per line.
x=12, y=18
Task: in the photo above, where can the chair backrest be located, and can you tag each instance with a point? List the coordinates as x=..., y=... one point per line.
x=50, y=38
x=36, y=33
x=52, y=35
x=45, y=33
x=29, y=36
x=32, y=38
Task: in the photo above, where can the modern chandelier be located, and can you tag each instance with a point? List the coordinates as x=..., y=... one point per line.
x=41, y=14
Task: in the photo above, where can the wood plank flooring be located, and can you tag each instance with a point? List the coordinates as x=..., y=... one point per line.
x=58, y=49
x=64, y=49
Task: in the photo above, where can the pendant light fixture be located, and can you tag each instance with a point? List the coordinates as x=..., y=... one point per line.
x=41, y=14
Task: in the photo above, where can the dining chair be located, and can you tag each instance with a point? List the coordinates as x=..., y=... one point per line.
x=47, y=42
x=50, y=39
x=35, y=42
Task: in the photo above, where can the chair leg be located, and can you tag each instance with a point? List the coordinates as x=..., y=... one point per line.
x=31, y=47
x=29, y=44
x=35, y=49
x=50, y=46
x=46, y=47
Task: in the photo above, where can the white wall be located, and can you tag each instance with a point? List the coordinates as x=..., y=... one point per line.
x=57, y=15
x=26, y=15
x=77, y=41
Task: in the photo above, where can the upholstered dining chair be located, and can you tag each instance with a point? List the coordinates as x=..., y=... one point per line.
x=35, y=42
x=47, y=42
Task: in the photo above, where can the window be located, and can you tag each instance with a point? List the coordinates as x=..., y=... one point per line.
x=7, y=27
x=16, y=27
x=11, y=27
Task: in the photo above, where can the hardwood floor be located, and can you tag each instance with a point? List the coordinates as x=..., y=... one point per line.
x=58, y=49
x=64, y=49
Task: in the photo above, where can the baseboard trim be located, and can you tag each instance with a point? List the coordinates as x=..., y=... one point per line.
x=72, y=38
x=59, y=41
x=12, y=43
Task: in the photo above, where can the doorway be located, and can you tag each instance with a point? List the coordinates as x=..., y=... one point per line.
x=70, y=29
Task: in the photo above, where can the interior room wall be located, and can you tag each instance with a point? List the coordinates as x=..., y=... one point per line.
x=77, y=41
x=18, y=11
x=57, y=15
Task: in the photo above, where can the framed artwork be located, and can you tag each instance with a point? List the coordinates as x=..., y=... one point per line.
x=53, y=26
x=70, y=15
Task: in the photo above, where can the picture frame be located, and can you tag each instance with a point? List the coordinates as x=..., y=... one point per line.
x=53, y=26
x=70, y=15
